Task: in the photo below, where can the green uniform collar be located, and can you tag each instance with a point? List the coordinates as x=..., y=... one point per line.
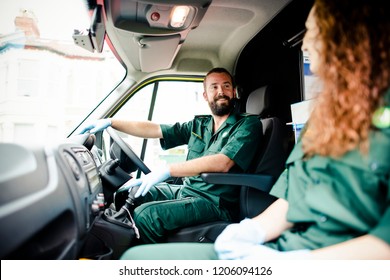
x=231, y=120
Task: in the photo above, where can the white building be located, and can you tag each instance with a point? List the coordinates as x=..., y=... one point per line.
x=46, y=87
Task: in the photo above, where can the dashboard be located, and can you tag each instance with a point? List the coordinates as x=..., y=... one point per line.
x=50, y=199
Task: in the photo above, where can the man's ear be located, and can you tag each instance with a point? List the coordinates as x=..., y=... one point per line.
x=205, y=96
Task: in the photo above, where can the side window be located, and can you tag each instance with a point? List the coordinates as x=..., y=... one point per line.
x=174, y=101
x=136, y=108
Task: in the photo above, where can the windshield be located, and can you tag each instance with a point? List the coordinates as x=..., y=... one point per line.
x=48, y=84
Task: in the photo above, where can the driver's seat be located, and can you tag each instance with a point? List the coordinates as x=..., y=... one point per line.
x=255, y=185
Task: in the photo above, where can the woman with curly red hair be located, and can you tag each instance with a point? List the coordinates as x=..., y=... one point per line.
x=334, y=196
x=352, y=58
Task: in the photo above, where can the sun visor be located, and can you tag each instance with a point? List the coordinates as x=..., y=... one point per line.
x=157, y=53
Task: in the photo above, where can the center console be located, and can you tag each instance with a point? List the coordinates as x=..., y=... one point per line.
x=108, y=233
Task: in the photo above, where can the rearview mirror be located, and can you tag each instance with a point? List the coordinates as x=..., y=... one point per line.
x=92, y=39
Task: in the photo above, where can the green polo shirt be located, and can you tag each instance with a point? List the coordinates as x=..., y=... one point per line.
x=332, y=200
x=237, y=138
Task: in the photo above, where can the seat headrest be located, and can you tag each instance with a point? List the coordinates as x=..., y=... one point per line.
x=258, y=101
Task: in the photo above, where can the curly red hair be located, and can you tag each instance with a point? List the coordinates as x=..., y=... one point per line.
x=355, y=72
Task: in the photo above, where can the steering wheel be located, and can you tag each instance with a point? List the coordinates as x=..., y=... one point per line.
x=125, y=147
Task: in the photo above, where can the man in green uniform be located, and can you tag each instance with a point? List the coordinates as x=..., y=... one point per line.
x=220, y=142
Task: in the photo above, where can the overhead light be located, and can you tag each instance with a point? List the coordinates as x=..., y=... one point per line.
x=179, y=16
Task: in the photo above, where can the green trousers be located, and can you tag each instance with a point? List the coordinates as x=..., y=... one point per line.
x=162, y=211
x=171, y=251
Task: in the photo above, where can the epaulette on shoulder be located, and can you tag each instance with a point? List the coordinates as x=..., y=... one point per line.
x=202, y=116
x=246, y=114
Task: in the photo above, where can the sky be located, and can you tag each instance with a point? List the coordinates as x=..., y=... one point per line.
x=57, y=19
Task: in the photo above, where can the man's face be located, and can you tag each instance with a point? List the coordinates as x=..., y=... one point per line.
x=219, y=93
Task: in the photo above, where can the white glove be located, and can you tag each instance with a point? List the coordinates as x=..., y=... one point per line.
x=262, y=252
x=236, y=239
x=148, y=181
x=97, y=125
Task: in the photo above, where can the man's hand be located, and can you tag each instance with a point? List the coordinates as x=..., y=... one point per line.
x=96, y=126
x=148, y=181
x=236, y=239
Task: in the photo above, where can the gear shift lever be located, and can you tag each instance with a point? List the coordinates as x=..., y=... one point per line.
x=123, y=216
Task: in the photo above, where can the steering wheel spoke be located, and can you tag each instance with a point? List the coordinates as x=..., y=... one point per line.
x=127, y=150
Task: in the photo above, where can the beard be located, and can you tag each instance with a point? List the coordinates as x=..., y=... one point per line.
x=221, y=109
